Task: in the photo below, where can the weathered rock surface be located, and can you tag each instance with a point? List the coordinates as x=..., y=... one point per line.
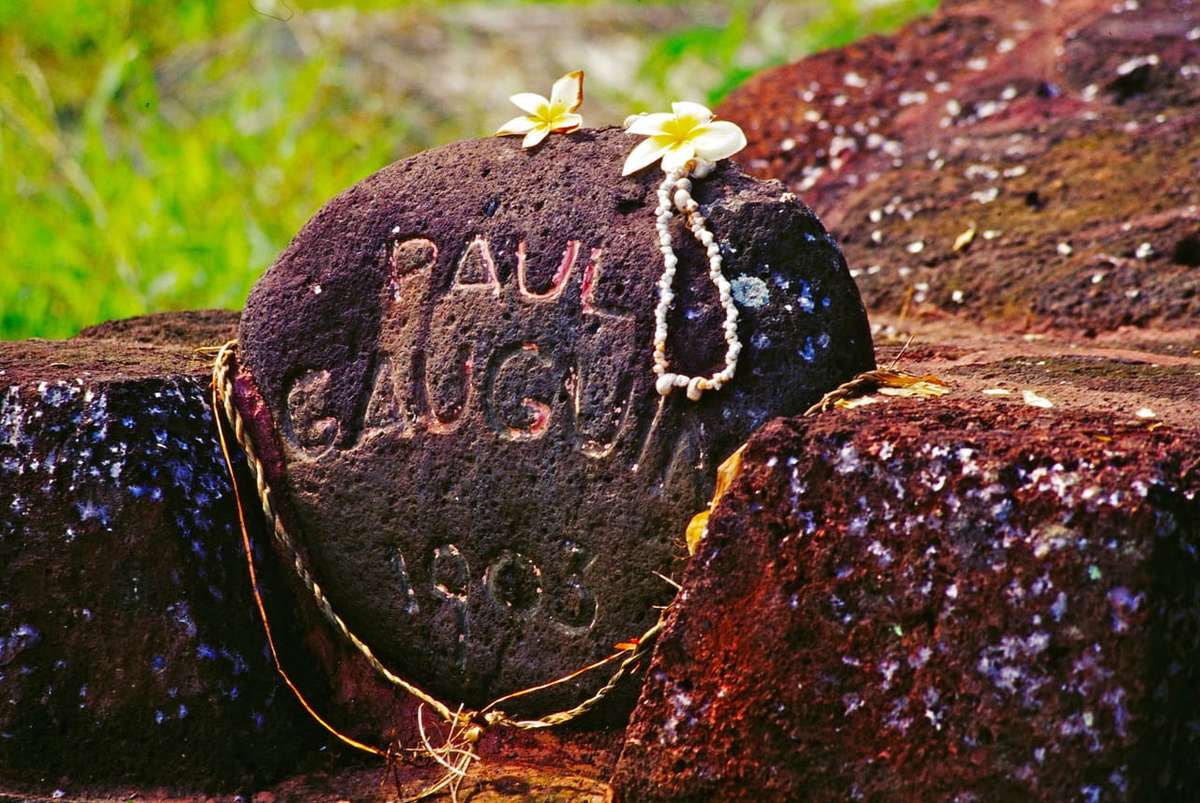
x=131, y=656
x=455, y=357
x=130, y=652
x=965, y=598
x=191, y=328
x=1058, y=145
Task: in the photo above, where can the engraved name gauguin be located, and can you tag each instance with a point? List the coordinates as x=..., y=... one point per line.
x=488, y=348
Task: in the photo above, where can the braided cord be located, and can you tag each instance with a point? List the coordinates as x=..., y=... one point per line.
x=490, y=714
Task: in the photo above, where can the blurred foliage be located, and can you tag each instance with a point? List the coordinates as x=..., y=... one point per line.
x=158, y=155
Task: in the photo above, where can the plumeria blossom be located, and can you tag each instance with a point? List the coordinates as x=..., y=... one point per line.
x=687, y=133
x=542, y=116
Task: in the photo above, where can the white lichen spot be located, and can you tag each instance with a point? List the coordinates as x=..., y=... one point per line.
x=680, y=701
x=750, y=291
x=847, y=461
x=882, y=553
x=1059, y=608
x=985, y=196
x=1124, y=602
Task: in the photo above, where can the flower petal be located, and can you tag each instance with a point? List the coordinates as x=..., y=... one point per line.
x=685, y=108
x=517, y=125
x=646, y=153
x=529, y=102
x=535, y=136
x=566, y=123
x=677, y=156
x=649, y=124
x=568, y=91
x=718, y=140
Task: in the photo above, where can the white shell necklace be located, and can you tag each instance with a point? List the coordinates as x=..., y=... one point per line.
x=681, y=199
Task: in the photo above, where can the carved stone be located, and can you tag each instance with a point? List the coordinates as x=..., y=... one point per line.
x=455, y=357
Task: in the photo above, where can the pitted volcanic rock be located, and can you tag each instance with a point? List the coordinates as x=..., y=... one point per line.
x=192, y=328
x=966, y=598
x=1057, y=145
x=130, y=650
x=455, y=358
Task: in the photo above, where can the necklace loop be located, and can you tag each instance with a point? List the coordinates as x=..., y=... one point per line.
x=675, y=193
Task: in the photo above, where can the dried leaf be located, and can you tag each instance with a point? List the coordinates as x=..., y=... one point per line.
x=872, y=381
x=726, y=473
x=1034, y=400
x=920, y=389
x=850, y=404
x=696, y=530
x=964, y=240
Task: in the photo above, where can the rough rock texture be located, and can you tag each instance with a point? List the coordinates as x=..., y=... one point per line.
x=966, y=598
x=194, y=328
x=1065, y=136
x=455, y=359
x=129, y=648
x=131, y=658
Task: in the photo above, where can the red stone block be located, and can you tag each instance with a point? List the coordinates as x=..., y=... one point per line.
x=955, y=599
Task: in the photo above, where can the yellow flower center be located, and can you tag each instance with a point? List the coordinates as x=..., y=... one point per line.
x=549, y=112
x=680, y=129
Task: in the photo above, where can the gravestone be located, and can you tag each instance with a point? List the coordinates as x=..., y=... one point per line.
x=451, y=366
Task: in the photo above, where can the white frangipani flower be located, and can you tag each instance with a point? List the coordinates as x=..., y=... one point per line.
x=542, y=116
x=687, y=133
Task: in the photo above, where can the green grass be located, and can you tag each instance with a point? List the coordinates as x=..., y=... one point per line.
x=158, y=155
